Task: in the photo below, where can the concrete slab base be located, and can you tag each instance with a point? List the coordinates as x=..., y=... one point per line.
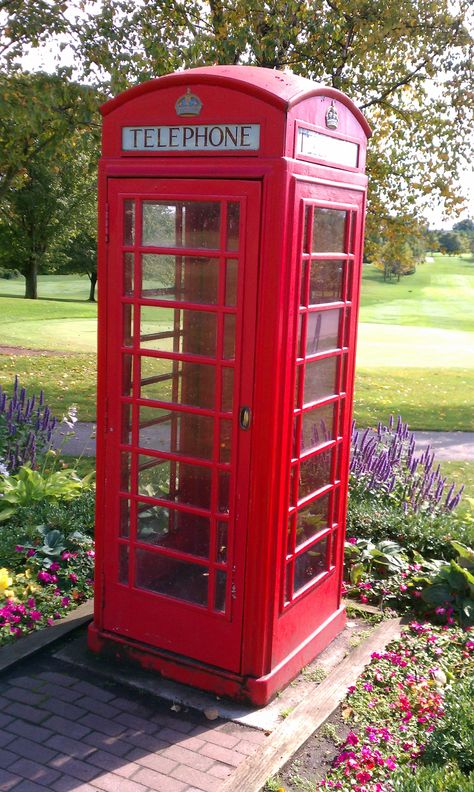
x=265, y=718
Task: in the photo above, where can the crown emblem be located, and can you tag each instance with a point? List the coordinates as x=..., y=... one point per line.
x=188, y=105
x=332, y=118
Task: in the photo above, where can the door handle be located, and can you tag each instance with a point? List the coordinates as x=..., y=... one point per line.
x=245, y=417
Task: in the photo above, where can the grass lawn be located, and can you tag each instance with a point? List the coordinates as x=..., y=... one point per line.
x=461, y=473
x=415, y=352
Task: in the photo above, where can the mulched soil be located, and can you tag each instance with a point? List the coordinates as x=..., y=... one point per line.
x=311, y=762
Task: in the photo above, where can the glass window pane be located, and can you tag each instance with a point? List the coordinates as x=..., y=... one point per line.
x=224, y=491
x=231, y=277
x=127, y=375
x=176, y=330
x=307, y=229
x=127, y=330
x=180, y=579
x=329, y=227
x=163, y=527
x=326, y=282
x=311, y=564
x=124, y=518
x=192, y=224
x=312, y=519
x=315, y=473
x=181, y=278
x=233, y=221
x=123, y=563
x=176, y=433
x=128, y=265
x=177, y=382
x=174, y=481
x=227, y=389
x=220, y=592
x=229, y=337
x=320, y=379
x=129, y=223
x=126, y=427
x=225, y=441
x=222, y=539
x=323, y=331
x=298, y=386
x=318, y=427
x=125, y=471
x=304, y=284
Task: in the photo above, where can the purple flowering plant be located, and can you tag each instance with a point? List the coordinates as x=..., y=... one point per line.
x=26, y=428
x=386, y=463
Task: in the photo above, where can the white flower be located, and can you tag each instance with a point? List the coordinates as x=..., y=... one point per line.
x=71, y=416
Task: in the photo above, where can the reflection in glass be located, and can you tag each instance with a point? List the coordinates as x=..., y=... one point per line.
x=320, y=379
x=164, y=527
x=225, y=441
x=224, y=491
x=124, y=519
x=317, y=427
x=177, y=224
x=315, y=473
x=178, y=382
x=174, y=481
x=125, y=471
x=180, y=579
x=323, y=331
x=127, y=375
x=220, y=592
x=222, y=531
x=128, y=264
x=325, y=281
x=123, y=552
x=129, y=223
x=127, y=324
x=329, y=227
x=227, y=389
x=126, y=427
x=231, y=281
x=304, y=291
x=176, y=433
x=229, y=337
x=312, y=519
x=177, y=330
x=181, y=278
x=310, y=564
x=233, y=221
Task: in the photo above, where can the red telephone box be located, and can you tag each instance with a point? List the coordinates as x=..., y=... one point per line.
x=231, y=226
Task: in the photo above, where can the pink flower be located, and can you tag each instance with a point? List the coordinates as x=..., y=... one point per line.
x=352, y=739
x=73, y=577
x=35, y=615
x=30, y=553
x=352, y=540
x=65, y=601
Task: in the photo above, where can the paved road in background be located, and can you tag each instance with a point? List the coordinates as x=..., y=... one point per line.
x=448, y=446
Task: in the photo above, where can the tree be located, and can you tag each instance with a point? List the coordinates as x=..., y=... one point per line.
x=406, y=63
x=450, y=243
x=396, y=248
x=50, y=189
x=80, y=254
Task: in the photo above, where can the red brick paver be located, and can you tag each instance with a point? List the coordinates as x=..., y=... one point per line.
x=63, y=733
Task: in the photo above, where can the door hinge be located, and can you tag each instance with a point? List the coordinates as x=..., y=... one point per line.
x=106, y=222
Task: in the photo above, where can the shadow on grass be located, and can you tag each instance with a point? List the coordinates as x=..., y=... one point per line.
x=47, y=299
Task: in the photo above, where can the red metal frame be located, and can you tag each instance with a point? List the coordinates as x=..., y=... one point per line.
x=269, y=631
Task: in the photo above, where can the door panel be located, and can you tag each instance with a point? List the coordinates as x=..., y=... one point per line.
x=180, y=362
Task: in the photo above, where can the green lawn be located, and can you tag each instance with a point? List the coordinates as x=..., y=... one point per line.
x=415, y=353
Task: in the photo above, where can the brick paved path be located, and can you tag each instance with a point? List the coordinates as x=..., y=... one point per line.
x=60, y=731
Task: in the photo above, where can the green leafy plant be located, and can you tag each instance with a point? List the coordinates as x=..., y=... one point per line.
x=365, y=557
x=453, y=738
x=453, y=586
x=430, y=778
x=31, y=486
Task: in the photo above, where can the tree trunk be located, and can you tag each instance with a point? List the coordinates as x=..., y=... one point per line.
x=31, y=279
x=93, y=279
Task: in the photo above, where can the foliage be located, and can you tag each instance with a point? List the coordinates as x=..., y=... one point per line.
x=49, y=149
x=453, y=739
x=26, y=427
x=430, y=778
x=29, y=486
x=80, y=254
x=394, y=248
x=395, y=705
x=385, y=464
x=66, y=516
x=450, y=243
x=453, y=587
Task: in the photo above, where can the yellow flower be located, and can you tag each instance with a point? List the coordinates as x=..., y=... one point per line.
x=5, y=582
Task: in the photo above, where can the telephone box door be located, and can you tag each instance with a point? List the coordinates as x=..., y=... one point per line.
x=179, y=378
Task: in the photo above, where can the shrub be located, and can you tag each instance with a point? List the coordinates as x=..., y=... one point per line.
x=26, y=428
x=430, y=778
x=29, y=486
x=453, y=738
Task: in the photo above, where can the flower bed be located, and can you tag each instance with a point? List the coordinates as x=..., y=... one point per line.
x=46, y=521
x=396, y=705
